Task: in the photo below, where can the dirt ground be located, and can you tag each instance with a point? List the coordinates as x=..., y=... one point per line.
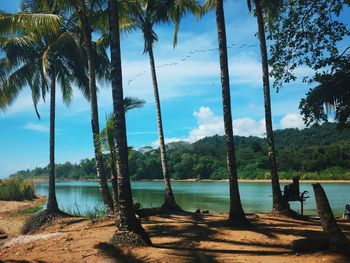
x=176, y=238
x=12, y=216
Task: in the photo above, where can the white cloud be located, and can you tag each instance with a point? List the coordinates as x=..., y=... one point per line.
x=210, y=124
x=155, y=143
x=249, y=127
x=36, y=127
x=292, y=120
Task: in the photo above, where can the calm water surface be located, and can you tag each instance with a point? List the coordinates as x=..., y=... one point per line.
x=214, y=196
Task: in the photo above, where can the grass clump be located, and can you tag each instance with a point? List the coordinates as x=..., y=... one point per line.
x=17, y=190
x=28, y=211
x=96, y=212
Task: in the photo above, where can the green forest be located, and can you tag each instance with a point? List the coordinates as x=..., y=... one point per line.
x=319, y=152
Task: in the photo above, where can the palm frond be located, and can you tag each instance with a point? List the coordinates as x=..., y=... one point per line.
x=133, y=103
x=40, y=23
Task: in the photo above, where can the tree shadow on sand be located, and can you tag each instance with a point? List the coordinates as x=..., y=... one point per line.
x=117, y=254
x=199, y=229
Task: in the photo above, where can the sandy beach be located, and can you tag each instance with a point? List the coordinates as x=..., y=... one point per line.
x=176, y=238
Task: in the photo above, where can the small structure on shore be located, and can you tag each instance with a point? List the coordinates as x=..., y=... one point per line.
x=292, y=193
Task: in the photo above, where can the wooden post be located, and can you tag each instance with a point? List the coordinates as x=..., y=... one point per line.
x=302, y=207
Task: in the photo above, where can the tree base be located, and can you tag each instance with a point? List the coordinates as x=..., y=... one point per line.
x=171, y=207
x=288, y=213
x=283, y=209
x=237, y=220
x=41, y=220
x=129, y=238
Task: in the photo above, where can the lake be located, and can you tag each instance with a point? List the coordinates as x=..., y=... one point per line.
x=214, y=196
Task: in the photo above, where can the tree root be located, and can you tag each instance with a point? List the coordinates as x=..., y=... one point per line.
x=41, y=220
x=128, y=238
x=168, y=208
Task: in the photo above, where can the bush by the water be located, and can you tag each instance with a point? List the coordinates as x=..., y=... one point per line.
x=16, y=190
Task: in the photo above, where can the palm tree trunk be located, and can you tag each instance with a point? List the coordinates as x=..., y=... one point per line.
x=338, y=242
x=125, y=217
x=237, y=215
x=52, y=205
x=100, y=168
x=169, y=202
x=114, y=179
x=280, y=205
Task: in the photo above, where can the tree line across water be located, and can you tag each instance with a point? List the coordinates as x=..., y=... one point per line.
x=319, y=152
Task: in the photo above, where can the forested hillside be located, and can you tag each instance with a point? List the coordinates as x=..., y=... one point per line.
x=321, y=152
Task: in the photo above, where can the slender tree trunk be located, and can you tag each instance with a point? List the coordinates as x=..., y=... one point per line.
x=337, y=240
x=280, y=205
x=114, y=179
x=100, y=168
x=125, y=217
x=237, y=215
x=169, y=202
x=52, y=205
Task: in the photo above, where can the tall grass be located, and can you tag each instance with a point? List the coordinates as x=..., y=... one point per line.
x=17, y=190
x=98, y=211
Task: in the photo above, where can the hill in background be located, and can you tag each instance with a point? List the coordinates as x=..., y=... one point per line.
x=319, y=152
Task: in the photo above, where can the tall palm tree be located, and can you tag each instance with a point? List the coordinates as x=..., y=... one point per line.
x=41, y=61
x=236, y=214
x=85, y=14
x=145, y=14
x=125, y=217
x=270, y=9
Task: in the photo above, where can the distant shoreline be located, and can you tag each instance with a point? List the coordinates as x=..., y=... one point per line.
x=210, y=181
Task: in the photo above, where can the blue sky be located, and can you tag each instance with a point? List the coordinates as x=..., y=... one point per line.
x=189, y=91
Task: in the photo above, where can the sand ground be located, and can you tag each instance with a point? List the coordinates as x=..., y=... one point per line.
x=12, y=215
x=176, y=238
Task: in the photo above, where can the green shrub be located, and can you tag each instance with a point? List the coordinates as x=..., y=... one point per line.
x=16, y=190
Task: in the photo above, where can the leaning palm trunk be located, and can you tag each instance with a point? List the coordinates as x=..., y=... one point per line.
x=130, y=229
x=52, y=205
x=169, y=203
x=338, y=242
x=237, y=215
x=100, y=169
x=280, y=205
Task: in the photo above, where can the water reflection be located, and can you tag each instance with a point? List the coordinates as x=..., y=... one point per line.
x=214, y=196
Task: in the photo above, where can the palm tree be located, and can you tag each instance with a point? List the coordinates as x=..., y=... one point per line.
x=41, y=61
x=107, y=137
x=271, y=9
x=236, y=214
x=85, y=14
x=145, y=14
x=13, y=28
x=129, y=227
